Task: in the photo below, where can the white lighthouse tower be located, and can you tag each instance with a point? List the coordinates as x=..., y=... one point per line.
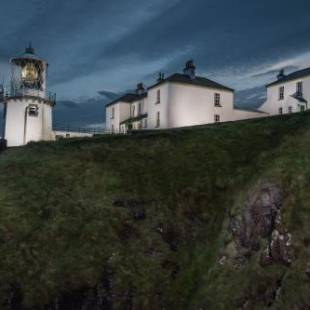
x=27, y=103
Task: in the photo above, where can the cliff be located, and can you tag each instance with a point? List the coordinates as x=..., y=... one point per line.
x=215, y=217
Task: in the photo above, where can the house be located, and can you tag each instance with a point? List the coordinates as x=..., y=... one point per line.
x=128, y=112
x=179, y=100
x=288, y=94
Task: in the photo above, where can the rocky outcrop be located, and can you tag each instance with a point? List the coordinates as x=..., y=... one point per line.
x=261, y=223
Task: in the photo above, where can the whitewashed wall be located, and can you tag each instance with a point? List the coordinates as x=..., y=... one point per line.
x=162, y=107
x=71, y=134
x=20, y=128
x=273, y=103
x=122, y=112
x=187, y=105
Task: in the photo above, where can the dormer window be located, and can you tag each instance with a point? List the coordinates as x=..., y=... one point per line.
x=299, y=89
x=281, y=93
x=217, y=100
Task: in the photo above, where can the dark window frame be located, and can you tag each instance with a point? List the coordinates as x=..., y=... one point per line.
x=158, y=96
x=217, y=100
x=217, y=118
x=157, y=119
x=299, y=88
x=281, y=92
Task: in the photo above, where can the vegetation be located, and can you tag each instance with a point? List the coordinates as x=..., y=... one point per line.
x=142, y=220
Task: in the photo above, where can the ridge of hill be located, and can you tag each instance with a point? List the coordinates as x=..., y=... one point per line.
x=204, y=218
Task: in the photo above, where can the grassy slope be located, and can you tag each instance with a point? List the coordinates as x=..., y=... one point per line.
x=59, y=229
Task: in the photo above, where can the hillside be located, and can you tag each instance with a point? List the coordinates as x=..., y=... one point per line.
x=206, y=218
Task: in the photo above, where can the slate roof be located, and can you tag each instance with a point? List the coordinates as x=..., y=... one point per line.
x=127, y=98
x=29, y=54
x=198, y=81
x=291, y=77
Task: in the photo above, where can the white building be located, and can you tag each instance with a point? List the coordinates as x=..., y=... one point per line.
x=27, y=104
x=288, y=94
x=128, y=112
x=180, y=100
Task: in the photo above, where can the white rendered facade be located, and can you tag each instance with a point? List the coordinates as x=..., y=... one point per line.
x=181, y=100
x=21, y=126
x=27, y=105
x=290, y=94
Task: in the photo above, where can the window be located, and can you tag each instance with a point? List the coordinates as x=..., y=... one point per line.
x=217, y=100
x=158, y=97
x=217, y=118
x=133, y=111
x=290, y=110
x=112, y=129
x=113, y=113
x=281, y=93
x=299, y=89
x=140, y=108
x=158, y=119
x=145, y=123
x=140, y=125
x=280, y=111
x=33, y=110
x=302, y=108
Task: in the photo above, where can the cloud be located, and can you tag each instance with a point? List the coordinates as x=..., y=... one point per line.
x=110, y=45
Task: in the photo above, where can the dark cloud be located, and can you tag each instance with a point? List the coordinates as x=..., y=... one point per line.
x=111, y=45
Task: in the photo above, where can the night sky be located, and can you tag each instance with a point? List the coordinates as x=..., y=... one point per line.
x=109, y=46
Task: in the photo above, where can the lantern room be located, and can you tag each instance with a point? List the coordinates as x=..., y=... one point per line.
x=28, y=74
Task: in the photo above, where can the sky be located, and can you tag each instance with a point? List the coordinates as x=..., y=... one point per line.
x=109, y=46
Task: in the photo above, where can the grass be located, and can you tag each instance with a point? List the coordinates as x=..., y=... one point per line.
x=61, y=229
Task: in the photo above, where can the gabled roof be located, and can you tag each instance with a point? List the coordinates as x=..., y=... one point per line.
x=291, y=77
x=127, y=98
x=198, y=81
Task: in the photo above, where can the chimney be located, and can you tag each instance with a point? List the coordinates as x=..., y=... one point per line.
x=140, y=89
x=161, y=77
x=190, y=69
x=281, y=74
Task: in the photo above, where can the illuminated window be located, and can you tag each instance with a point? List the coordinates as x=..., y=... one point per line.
x=281, y=93
x=217, y=100
x=217, y=118
x=158, y=119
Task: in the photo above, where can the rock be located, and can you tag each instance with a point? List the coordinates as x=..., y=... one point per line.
x=261, y=220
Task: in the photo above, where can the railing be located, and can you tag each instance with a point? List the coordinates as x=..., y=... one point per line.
x=21, y=92
x=94, y=131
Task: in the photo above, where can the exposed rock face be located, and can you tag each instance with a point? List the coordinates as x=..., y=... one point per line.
x=261, y=221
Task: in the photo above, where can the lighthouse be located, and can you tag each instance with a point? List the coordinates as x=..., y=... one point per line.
x=28, y=104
